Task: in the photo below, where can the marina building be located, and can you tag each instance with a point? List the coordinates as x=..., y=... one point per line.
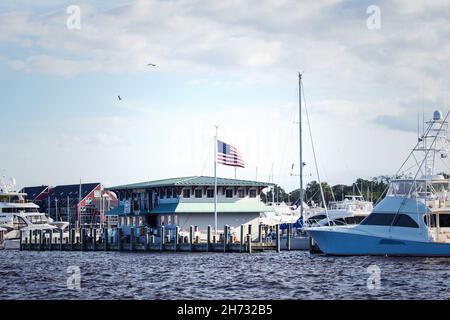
x=189, y=201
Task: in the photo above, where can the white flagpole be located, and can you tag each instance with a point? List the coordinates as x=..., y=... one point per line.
x=215, y=182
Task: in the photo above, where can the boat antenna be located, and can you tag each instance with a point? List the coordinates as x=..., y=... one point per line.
x=301, y=194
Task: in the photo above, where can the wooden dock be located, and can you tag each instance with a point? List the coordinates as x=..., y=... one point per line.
x=100, y=240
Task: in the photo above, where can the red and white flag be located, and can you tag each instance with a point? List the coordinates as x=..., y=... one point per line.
x=229, y=155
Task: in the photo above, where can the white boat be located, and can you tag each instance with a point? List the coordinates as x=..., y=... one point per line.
x=414, y=217
x=17, y=214
x=352, y=210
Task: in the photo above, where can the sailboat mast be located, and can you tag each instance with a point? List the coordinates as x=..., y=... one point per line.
x=300, y=145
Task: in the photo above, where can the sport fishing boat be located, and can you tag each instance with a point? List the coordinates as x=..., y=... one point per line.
x=414, y=217
x=17, y=214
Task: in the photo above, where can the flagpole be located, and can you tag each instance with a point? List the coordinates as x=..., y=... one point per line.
x=215, y=181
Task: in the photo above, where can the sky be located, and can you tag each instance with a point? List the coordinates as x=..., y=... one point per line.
x=367, y=76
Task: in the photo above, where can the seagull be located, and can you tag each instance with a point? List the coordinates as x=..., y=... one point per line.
x=120, y=98
x=151, y=65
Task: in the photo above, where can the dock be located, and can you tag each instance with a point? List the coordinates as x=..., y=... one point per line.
x=94, y=239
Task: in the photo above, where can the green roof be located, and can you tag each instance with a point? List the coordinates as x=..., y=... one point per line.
x=192, y=181
x=234, y=207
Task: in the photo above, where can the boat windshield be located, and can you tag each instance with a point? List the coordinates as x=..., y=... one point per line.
x=37, y=219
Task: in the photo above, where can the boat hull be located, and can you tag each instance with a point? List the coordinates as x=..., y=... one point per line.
x=348, y=244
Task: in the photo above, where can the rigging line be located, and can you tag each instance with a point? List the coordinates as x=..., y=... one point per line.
x=206, y=161
x=314, y=154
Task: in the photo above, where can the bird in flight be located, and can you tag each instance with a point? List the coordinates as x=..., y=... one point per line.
x=120, y=98
x=151, y=65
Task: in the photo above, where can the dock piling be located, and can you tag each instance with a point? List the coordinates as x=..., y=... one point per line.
x=249, y=243
x=260, y=231
x=277, y=228
x=162, y=238
x=288, y=240
x=177, y=238
x=94, y=239
x=208, y=239
x=225, y=238
x=132, y=239
x=61, y=239
x=105, y=239
x=191, y=238
x=242, y=239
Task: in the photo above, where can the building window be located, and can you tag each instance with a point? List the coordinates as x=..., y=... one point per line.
x=140, y=221
x=128, y=221
x=122, y=221
x=198, y=193
x=169, y=220
x=252, y=193
x=162, y=220
x=162, y=194
x=175, y=220
x=241, y=193
x=229, y=193
x=186, y=193
x=169, y=193
x=133, y=221
x=210, y=193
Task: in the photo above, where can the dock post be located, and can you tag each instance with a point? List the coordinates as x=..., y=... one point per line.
x=132, y=238
x=20, y=241
x=147, y=239
x=288, y=241
x=31, y=237
x=242, y=239
x=50, y=239
x=94, y=240
x=177, y=237
x=225, y=238
x=82, y=238
x=277, y=228
x=105, y=239
x=260, y=231
x=208, y=239
x=61, y=239
x=35, y=237
x=40, y=240
x=250, y=230
x=163, y=240
x=120, y=243
x=191, y=238
x=249, y=243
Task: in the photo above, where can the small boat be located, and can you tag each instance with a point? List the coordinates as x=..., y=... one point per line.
x=414, y=217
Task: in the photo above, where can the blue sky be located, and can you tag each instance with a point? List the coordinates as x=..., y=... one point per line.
x=230, y=63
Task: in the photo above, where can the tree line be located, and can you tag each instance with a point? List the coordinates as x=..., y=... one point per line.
x=373, y=189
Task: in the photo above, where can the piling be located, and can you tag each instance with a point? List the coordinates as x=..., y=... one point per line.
x=147, y=239
x=40, y=240
x=61, y=239
x=83, y=239
x=177, y=238
x=260, y=232
x=242, y=239
x=35, y=237
x=72, y=238
x=120, y=242
x=277, y=230
x=105, y=239
x=288, y=240
x=249, y=243
x=94, y=239
x=191, y=238
x=132, y=239
x=31, y=236
x=162, y=238
x=250, y=230
x=225, y=238
x=208, y=239
x=20, y=241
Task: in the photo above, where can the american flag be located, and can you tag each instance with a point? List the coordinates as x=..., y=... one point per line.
x=229, y=155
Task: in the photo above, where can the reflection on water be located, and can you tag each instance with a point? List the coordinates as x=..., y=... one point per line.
x=294, y=275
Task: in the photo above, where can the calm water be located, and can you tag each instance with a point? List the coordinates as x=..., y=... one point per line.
x=295, y=275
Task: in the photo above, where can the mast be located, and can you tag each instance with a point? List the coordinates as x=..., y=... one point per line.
x=300, y=146
x=215, y=181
